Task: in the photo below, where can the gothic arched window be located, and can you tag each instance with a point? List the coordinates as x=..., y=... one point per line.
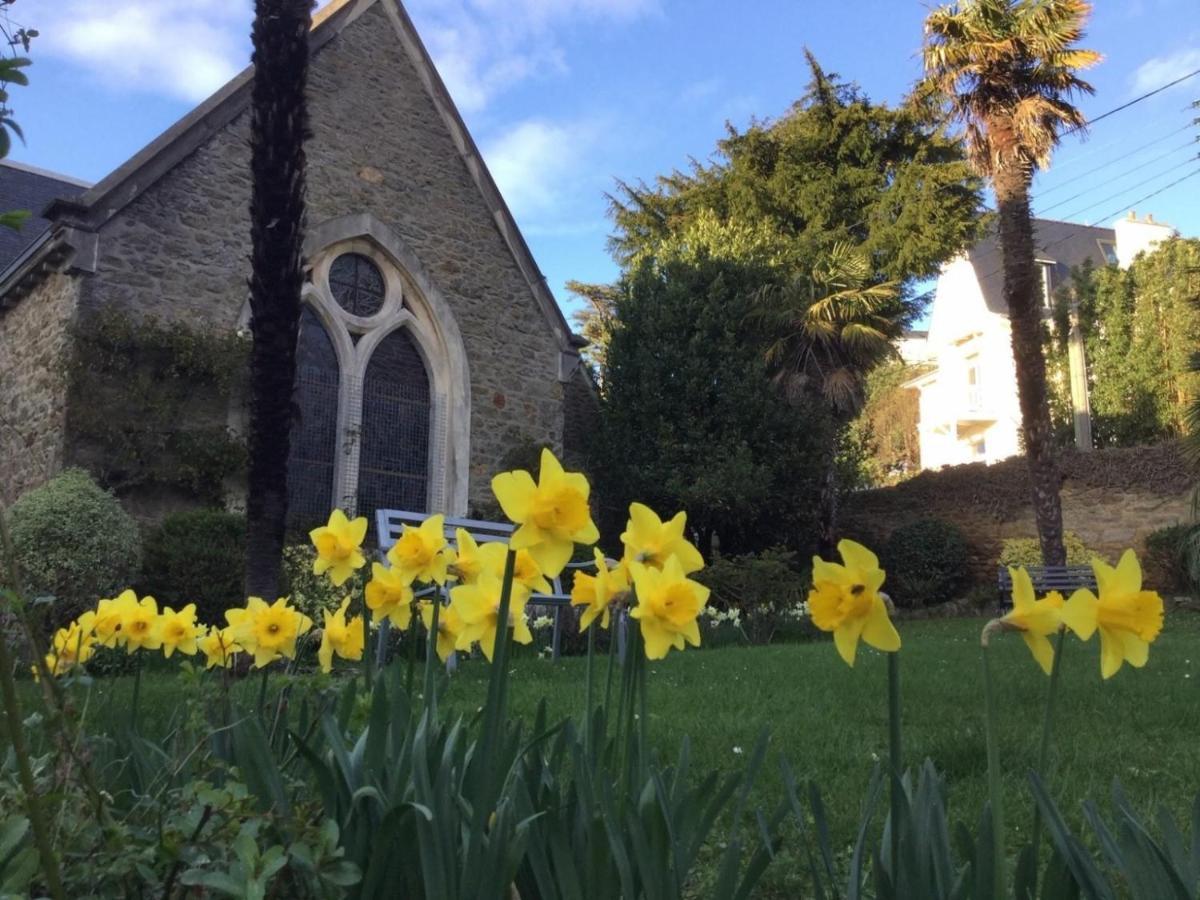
x=314, y=430
x=357, y=284
x=393, y=468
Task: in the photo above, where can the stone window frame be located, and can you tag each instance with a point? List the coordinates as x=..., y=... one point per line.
x=411, y=302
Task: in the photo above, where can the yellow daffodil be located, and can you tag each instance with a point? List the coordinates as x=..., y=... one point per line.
x=553, y=515
x=109, y=616
x=178, y=630
x=668, y=604
x=1035, y=619
x=268, y=631
x=449, y=627
x=218, y=647
x=141, y=627
x=339, y=547
x=418, y=555
x=651, y=541
x=596, y=592
x=72, y=645
x=1128, y=618
x=478, y=607
x=527, y=574
x=389, y=596
x=467, y=563
x=341, y=636
x=845, y=600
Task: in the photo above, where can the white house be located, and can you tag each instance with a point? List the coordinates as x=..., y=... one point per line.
x=968, y=397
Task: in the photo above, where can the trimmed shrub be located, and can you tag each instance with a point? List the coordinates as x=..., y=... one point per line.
x=926, y=563
x=74, y=541
x=1166, y=562
x=1028, y=551
x=196, y=557
x=765, y=589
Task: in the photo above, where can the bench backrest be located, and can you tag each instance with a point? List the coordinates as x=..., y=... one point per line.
x=1053, y=578
x=389, y=525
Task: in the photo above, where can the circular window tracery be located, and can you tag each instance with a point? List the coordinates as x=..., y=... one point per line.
x=356, y=284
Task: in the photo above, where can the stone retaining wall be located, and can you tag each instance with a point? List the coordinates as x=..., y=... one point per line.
x=1111, y=498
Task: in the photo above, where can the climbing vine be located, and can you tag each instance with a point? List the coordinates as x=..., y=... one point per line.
x=149, y=404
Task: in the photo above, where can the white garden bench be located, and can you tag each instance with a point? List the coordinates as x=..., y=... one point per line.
x=389, y=525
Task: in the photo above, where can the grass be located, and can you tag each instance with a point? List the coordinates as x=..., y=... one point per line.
x=829, y=721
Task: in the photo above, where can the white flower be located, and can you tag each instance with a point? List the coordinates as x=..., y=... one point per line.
x=737, y=751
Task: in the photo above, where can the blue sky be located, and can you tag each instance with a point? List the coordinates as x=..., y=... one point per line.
x=564, y=96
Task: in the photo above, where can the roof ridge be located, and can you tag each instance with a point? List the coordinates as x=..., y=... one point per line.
x=45, y=173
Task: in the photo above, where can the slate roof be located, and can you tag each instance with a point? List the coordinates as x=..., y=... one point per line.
x=1063, y=244
x=24, y=187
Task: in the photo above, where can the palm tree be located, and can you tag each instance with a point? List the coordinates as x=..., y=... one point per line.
x=1007, y=69
x=278, y=129
x=825, y=332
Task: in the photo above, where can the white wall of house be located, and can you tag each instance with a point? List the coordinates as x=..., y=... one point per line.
x=968, y=404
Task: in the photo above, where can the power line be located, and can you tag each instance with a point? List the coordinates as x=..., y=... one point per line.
x=1139, y=200
x=1121, y=175
x=1128, y=188
x=1117, y=109
x=1062, y=184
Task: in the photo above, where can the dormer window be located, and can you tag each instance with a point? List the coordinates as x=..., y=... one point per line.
x=1109, y=249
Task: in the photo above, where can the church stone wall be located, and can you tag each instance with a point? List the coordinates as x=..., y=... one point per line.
x=379, y=146
x=33, y=384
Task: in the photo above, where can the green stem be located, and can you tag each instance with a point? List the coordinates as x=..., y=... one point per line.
x=493, y=721
x=587, y=705
x=431, y=648
x=995, y=798
x=33, y=805
x=366, y=654
x=1035, y=834
x=412, y=654
x=262, y=696
x=643, y=719
x=137, y=694
x=895, y=758
x=612, y=656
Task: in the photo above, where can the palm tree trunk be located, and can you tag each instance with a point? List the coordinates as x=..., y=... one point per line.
x=278, y=129
x=1024, y=313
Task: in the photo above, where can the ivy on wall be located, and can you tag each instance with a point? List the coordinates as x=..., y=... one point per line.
x=149, y=404
x=1139, y=328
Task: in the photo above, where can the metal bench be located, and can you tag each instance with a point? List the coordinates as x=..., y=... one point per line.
x=389, y=525
x=1052, y=578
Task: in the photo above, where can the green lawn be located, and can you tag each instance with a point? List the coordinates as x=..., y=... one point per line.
x=1142, y=727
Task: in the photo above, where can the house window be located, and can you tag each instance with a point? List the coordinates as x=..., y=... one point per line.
x=1047, y=285
x=1109, y=249
x=393, y=469
x=356, y=284
x=974, y=383
x=978, y=447
x=365, y=400
x=314, y=426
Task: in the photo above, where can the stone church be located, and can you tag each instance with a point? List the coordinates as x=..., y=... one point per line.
x=430, y=347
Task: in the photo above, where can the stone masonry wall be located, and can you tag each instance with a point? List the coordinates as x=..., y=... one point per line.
x=379, y=146
x=1111, y=498
x=33, y=341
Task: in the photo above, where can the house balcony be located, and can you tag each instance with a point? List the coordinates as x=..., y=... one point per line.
x=975, y=409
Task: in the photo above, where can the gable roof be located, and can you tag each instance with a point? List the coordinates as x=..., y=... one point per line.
x=1062, y=245
x=24, y=187
x=121, y=187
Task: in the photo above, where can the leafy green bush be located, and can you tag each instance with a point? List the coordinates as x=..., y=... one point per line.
x=926, y=562
x=196, y=557
x=1166, y=561
x=765, y=588
x=74, y=541
x=313, y=594
x=1028, y=552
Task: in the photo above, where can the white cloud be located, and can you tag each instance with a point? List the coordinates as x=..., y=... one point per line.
x=482, y=47
x=181, y=48
x=1160, y=70
x=538, y=166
